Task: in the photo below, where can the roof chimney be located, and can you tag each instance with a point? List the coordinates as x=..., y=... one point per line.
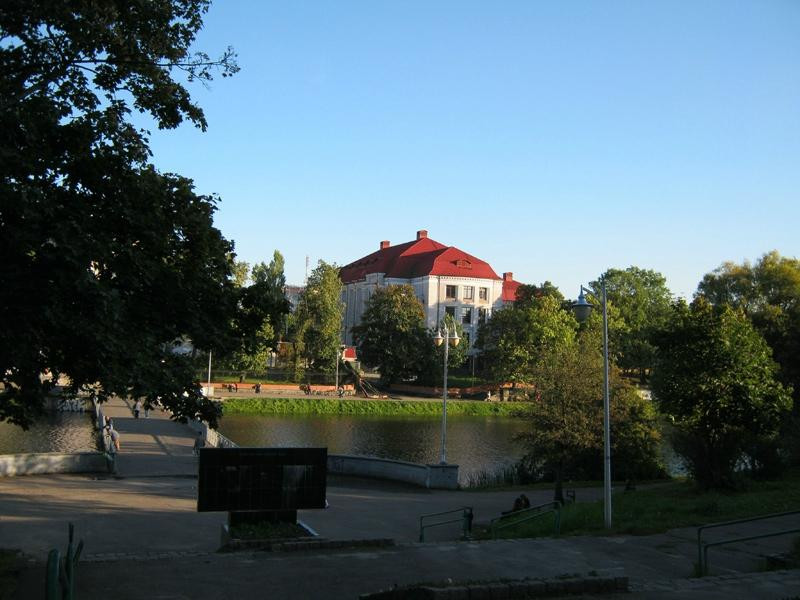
x=422, y=233
x=509, y=276
x=385, y=244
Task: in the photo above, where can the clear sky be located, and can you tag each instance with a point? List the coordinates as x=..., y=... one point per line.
x=552, y=139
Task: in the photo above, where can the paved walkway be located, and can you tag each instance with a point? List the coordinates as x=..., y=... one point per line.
x=145, y=539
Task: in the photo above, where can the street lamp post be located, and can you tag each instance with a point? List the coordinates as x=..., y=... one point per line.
x=339, y=352
x=208, y=381
x=582, y=309
x=450, y=337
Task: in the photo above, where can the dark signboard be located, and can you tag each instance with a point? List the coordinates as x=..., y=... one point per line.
x=243, y=479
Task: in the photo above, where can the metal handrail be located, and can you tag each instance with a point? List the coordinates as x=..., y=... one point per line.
x=528, y=514
x=702, y=549
x=60, y=573
x=465, y=519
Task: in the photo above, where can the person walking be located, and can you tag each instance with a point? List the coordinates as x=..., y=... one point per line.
x=137, y=407
x=114, y=442
x=199, y=442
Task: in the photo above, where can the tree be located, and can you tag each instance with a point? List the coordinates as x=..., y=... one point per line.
x=526, y=294
x=768, y=292
x=272, y=287
x=318, y=320
x=566, y=416
x=392, y=336
x=642, y=301
x=105, y=261
x=240, y=270
x=515, y=338
x=715, y=379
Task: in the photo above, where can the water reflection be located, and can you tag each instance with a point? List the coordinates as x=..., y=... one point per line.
x=54, y=432
x=474, y=443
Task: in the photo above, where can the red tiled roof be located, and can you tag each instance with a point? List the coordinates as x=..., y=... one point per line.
x=418, y=258
x=510, y=290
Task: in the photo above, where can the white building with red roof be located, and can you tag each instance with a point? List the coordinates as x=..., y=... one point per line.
x=444, y=278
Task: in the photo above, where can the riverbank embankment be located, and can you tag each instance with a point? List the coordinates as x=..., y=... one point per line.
x=367, y=406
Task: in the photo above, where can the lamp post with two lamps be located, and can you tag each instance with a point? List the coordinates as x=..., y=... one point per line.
x=449, y=337
x=582, y=309
x=339, y=355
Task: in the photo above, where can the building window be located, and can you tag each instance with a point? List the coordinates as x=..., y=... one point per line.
x=466, y=315
x=450, y=310
x=483, y=313
x=469, y=292
x=450, y=292
x=483, y=294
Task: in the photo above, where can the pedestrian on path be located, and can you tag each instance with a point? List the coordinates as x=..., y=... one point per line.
x=137, y=407
x=114, y=435
x=199, y=442
x=147, y=410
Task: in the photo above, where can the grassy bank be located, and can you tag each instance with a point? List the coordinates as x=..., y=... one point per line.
x=677, y=504
x=347, y=406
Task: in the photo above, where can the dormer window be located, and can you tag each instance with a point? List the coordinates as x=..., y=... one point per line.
x=462, y=263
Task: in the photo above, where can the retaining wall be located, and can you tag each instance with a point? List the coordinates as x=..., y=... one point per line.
x=428, y=476
x=438, y=477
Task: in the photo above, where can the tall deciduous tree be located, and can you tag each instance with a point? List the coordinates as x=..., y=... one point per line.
x=769, y=294
x=105, y=260
x=715, y=378
x=318, y=320
x=515, y=338
x=392, y=336
x=527, y=294
x=271, y=282
x=566, y=416
x=642, y=301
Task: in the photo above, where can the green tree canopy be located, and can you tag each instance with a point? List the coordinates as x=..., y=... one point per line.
x=526, y=294
x=769, y=293
x=105, y=261
x=392, y=336
x=318, y=320
x=565, y=437
x=642, y=302
x=516, y=337
x=715, y=378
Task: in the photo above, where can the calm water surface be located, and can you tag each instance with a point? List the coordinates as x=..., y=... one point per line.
x=474, y=443
x=55, y=432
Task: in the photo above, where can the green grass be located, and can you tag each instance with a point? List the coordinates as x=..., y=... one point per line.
x=668, y=506
x=336, y=406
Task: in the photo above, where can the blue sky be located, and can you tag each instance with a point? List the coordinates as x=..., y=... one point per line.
x=551, y=139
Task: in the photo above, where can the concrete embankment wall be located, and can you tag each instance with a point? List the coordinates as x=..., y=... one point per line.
x=441, y=477
x=42, y=463
x=428, y=476
x=51, y=462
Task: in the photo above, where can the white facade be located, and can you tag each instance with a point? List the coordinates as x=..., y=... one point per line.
x=465, y=299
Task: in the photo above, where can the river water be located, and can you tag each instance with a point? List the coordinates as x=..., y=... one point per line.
x=54, y=432
x=474, y=443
